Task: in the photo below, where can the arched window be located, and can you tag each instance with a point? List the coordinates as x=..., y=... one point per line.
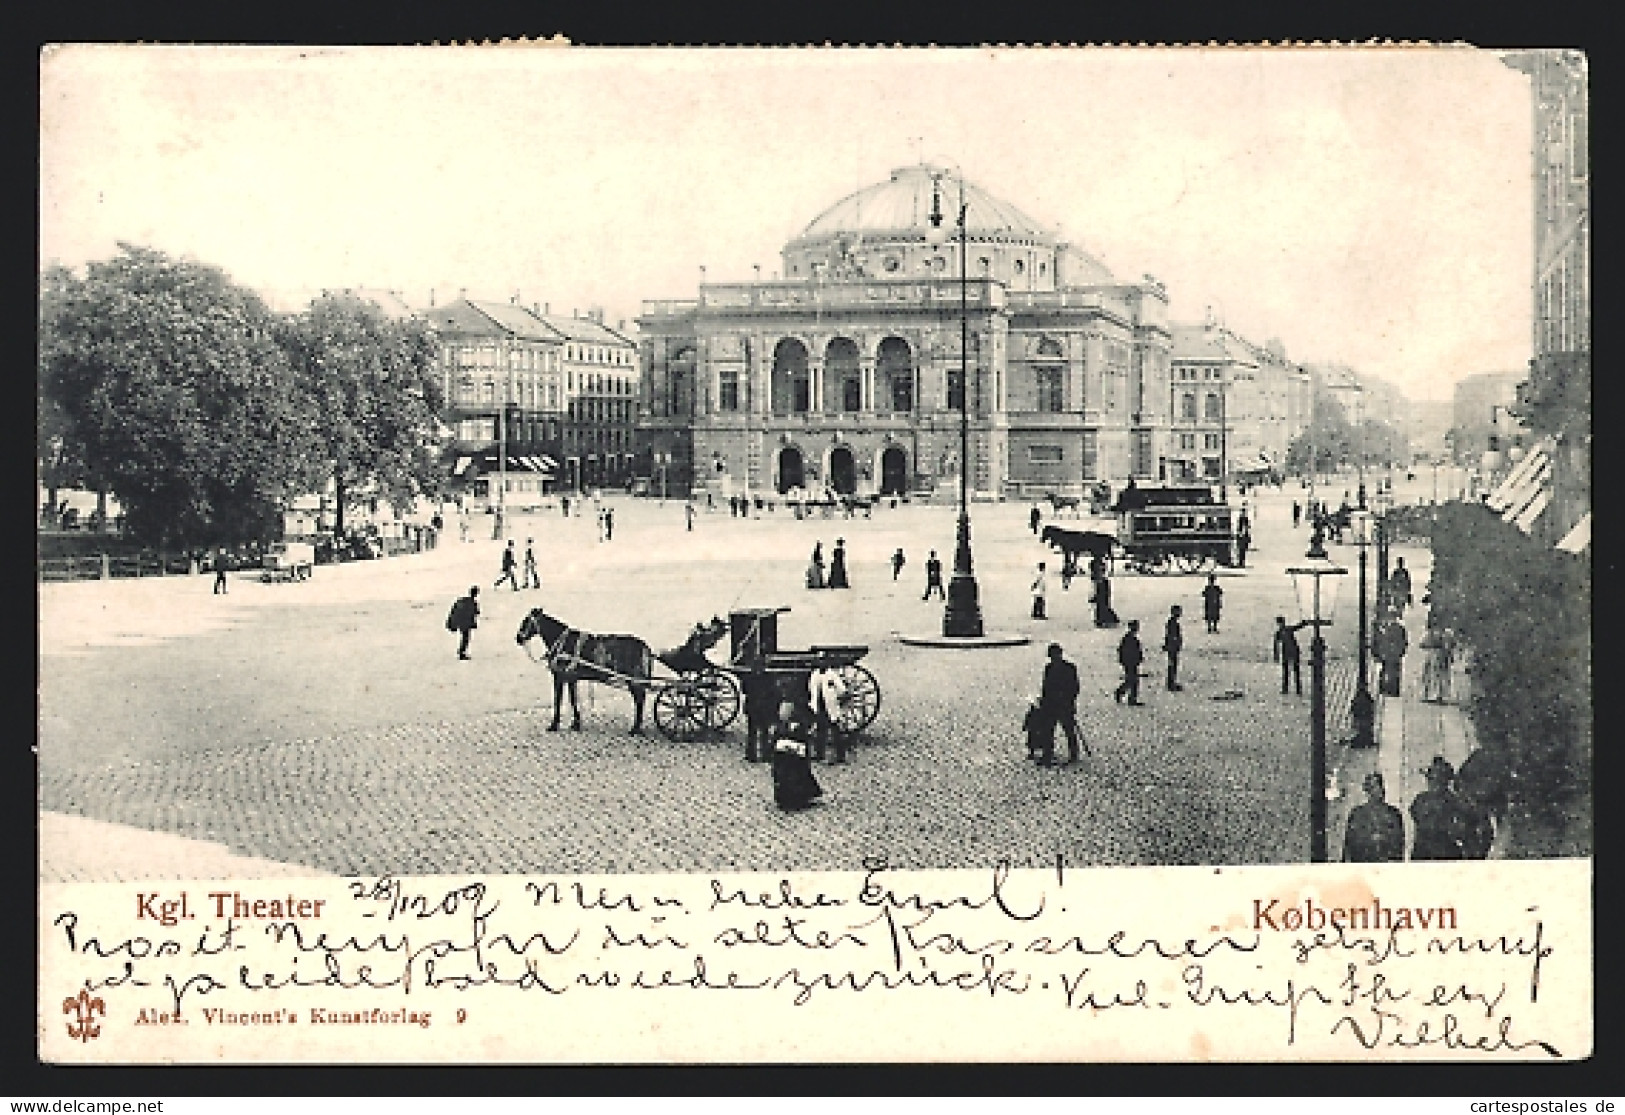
x=1187, y=406
x=1213, y=408
x=791, y=386
x=843, y=385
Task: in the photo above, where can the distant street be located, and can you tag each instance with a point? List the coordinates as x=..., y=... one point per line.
x=329, y=724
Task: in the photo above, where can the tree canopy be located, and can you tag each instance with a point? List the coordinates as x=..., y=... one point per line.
x=1334, y=440
x=372, y=379
x=167, y=383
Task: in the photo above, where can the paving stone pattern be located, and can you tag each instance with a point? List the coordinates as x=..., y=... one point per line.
x=336, y=729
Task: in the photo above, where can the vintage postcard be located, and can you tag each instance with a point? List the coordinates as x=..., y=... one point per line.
x=689, y=555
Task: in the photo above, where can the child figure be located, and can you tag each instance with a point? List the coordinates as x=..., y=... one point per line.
x=1040, y=729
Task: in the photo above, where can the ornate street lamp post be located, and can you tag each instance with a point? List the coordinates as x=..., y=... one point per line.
x=1306, y=582
x=1362, y=709
x=962, y=614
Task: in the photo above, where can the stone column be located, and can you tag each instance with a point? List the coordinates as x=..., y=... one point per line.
x=815, y=384
x=866, y=374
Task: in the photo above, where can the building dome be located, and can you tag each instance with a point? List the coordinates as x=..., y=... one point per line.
x=902, y=206
x=883, y=231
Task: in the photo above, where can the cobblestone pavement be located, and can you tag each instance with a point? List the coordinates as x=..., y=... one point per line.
x=330, y=725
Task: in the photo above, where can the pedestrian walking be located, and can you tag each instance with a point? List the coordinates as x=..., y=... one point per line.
x=510, y=563
x=436, y=526
x=1069, y=569
x=1440, y=819
x=463, y=618
x=1438, y=652
x=564, y=506
x=1376, y=830
x=826, y=690
x=1399, y=587
x=1039, y=588
x=688, y=513
x=609, y=524
x=1285, y=651
x=1129, y=656
x=462, y=525
x=815, y=567
x=794, y=787
x=1297, y=514
x=897, y=561
x=533, y=579
x=837, y=565
x=1244, y=539
x=1212, y=603
x=1101, y=598
x=933, y=577
x=221, y=561
x=1390, y=645
x=1034, y=517
x=1059, y=699
x=761, y=709
x=1173, y=641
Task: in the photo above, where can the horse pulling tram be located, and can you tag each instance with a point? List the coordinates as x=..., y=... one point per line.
x=693, y=697
x=1159, y=530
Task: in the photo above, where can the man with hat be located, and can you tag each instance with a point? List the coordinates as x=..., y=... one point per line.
x=1439, y=815
x=1129, y=656
x=1376, y=830
x=1058, y=700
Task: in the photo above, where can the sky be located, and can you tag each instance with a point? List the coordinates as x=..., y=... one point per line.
x=1366, y=206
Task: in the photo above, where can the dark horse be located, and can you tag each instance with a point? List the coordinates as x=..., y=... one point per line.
x=621, y=660
x=1059, y=503
x=1071, y=543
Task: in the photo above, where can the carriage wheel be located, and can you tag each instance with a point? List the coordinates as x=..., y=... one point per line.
x=1190, y=561
x=721, y=695
x=681, y=711
x=862, y=702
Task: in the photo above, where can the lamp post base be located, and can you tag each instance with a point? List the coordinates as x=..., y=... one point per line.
x=962, y=617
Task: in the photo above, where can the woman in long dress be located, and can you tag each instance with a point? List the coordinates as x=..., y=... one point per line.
x=794, y=787
x=1102, y=598
x=815, y=567
x=837, y=565
x=1436, y=649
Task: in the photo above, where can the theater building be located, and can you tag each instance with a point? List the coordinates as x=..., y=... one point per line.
x=845, y=372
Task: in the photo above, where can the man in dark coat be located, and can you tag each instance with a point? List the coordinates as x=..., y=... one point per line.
x=1129, y=656
x=510, y=563
x=1285, y=651
x=1058, y=699
x=1441, y=821
x=837, y=565
x=1101, y=598
x=794, y=787
x=1034, y=517
x=1391, y=643
x=1376, y=830
x=933, y=577
x=1244, y=539
x=1173, y=641
x=761, y=707
x=1212, y=603
x=464, y=617
x=1399, y=587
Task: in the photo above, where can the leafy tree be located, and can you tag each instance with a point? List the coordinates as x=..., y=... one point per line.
x=174, y=395
x=373, y=380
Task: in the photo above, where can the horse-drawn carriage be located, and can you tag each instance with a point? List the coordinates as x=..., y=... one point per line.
x=694, y=697
x=1159, y=530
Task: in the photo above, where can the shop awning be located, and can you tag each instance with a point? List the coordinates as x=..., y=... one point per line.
x=1514, y=488
x=1578, y=540
x=462, y=465
x=1518, y=499
x=1525, y=519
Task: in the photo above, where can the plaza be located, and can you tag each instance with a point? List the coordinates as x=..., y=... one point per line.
x=328, y=725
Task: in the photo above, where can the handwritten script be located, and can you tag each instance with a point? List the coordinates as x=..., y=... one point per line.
x=256, y=963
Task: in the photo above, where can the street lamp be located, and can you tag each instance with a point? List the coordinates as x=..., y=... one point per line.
x=1384, y=503
x=499, y=524
x=1362, y=709
x=1312, y=601
x=962, y=614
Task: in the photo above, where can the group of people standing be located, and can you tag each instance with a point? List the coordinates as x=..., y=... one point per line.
x=793, y=729
x=1448, y=822
x=836, y=577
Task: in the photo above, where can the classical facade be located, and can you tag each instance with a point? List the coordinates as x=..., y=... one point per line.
x=845, y=373
x=1233, y=406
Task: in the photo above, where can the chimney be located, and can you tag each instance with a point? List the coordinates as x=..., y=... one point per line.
x=547, y=307
x=536, y=308
x=431, y=298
